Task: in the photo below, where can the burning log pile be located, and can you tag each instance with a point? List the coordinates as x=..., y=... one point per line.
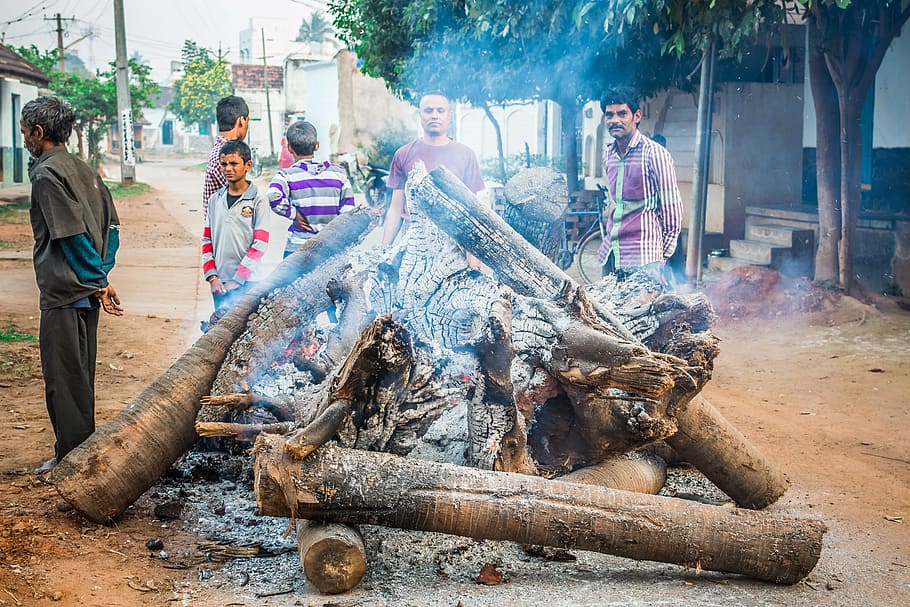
x=546, y=379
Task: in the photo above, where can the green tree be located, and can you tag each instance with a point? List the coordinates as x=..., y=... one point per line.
x=46, y=61
x=206, y=79
x=94, y=98
x=317, y=29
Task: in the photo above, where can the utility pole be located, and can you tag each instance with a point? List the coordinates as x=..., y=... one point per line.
x=268, y=105
x=60, y=21
x=127, y=153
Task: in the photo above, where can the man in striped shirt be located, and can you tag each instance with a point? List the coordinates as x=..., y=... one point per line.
x=233, y=117
x=642, y=226
x=309, y=193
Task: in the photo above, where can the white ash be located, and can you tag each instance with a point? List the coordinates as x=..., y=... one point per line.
x=282, y=379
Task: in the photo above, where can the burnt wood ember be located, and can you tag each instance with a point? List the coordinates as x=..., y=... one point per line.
x=553, y=380
x=536, y=201
x=281, y=408
x=354, y=487
x=571, y=409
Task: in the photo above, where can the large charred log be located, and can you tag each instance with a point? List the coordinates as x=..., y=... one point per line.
x=356, y=487
x=123, y=458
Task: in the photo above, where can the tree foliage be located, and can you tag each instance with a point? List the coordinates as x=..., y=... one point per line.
x=317, y=29
x=93, y=98
x=206, y=79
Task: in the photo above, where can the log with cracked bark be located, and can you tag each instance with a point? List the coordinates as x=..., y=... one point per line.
x=584, y=415
x=353, y=487
x=536, y=201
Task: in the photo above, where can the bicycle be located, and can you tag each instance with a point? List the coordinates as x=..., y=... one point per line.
x=585, y=252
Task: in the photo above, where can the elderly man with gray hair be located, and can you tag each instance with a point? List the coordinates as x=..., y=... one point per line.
x=76, y=233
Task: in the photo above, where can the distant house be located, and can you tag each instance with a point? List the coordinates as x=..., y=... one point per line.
x=20, y=82
x=262, y=87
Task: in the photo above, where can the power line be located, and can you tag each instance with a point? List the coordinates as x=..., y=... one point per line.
x=23, y=16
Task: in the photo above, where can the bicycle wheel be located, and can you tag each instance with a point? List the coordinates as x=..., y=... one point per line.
x=586, y=257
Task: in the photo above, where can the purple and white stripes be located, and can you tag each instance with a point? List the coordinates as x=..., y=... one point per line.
x=319, y=191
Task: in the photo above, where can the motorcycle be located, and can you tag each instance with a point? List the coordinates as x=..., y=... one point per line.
x=372, y=179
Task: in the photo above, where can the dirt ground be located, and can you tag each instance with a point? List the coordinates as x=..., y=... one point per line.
x=823, y=393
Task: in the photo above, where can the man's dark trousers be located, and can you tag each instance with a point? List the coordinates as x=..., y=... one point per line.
x=68, y=341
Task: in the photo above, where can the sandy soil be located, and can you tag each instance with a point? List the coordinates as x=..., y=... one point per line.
x=823, y=393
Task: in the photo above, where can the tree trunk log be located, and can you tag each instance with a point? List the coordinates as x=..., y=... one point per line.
x=360, y=487
x=710, y=443
x=332, y=555
x=536, y=203
x=639, y=472
x=116, y=464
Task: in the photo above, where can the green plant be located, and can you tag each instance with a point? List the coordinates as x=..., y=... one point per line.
x=385, y=143
x=15, y=367
x=15, y=212
x=14, y=333
x=121, y=191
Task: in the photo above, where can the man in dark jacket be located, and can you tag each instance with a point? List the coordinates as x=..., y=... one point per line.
x=76, y=237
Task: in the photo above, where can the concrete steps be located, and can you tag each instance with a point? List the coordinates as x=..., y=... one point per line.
x=789, y=249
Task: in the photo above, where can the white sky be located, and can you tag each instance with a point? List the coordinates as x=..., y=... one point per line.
x=154, y=28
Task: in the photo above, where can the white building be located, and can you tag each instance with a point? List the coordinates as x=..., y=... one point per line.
x=19, y=84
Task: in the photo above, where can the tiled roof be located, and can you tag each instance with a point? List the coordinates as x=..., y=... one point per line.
x=13, y=65
x=247, y=76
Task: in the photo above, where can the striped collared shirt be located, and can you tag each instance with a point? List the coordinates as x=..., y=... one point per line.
x=647, y=216
x=320, y=191
x=214, y=178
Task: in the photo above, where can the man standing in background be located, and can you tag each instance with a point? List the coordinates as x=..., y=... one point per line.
x=76, y=238
x=233, y=118
x=434, y=148
x=644, y=223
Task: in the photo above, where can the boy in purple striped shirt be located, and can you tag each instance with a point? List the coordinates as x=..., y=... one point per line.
x=309, y=193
